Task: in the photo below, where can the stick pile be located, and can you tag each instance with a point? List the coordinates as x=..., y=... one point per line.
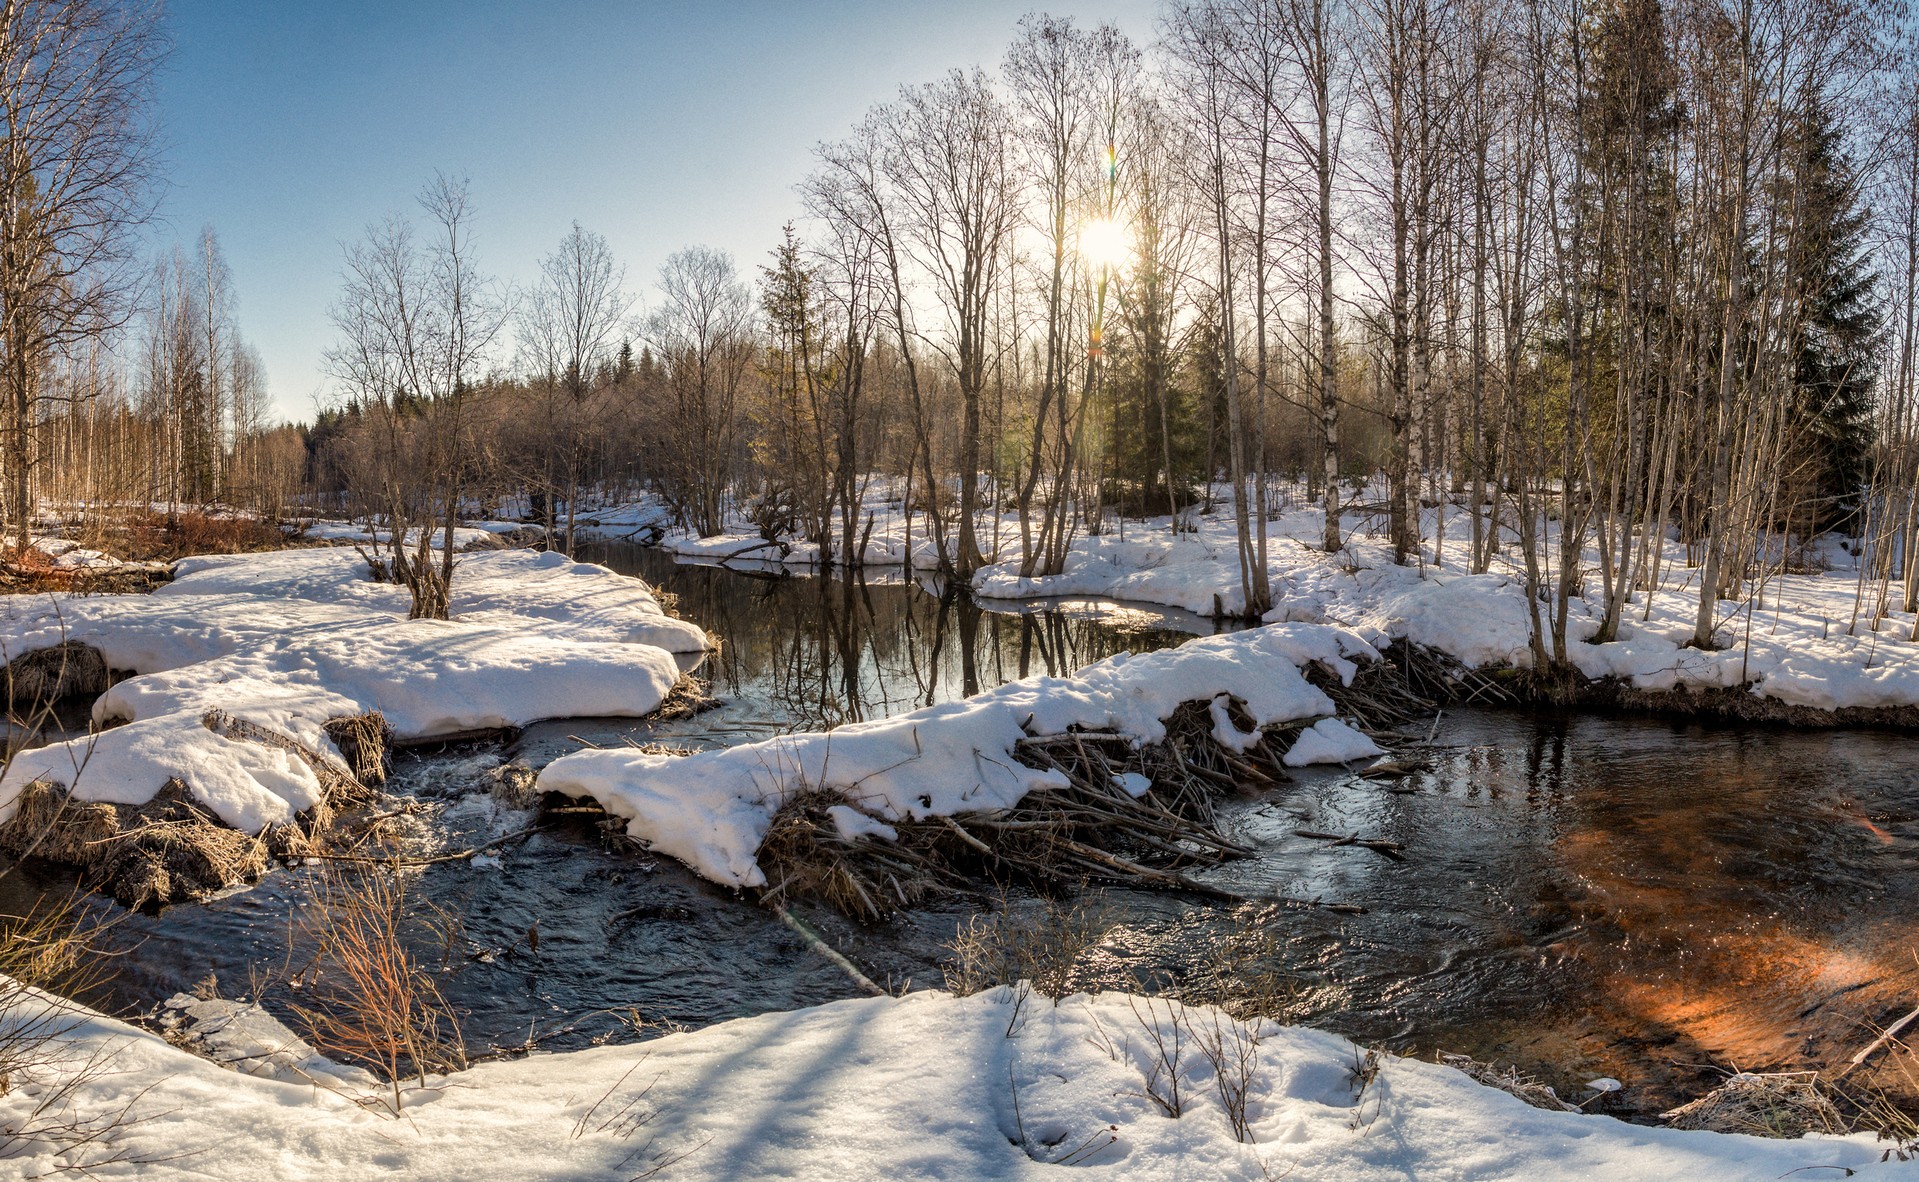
x=1091, y=830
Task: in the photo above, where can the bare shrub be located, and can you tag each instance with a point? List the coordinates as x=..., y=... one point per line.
x=1365, y=1070
x=46, y=952
x=155, y=535
x=1245, y=970
x=1877, y=1111
x=620, y=1115
x=371, y=1000
x=1166, y=1051
x=1231, y=1048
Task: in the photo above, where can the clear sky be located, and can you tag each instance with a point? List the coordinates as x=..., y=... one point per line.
x=291, y=125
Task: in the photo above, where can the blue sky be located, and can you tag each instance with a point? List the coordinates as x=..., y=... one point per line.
x=290, y=126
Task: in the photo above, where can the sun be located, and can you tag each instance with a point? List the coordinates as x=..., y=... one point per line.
x=1105, y=242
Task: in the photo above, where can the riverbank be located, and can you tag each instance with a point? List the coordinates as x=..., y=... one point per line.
x=1000, y=1085
x=233, y=693
x=1156, y=685
x=1801, y=647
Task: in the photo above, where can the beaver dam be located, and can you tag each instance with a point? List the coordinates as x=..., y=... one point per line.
x=1573, y=896
x=1121, y=810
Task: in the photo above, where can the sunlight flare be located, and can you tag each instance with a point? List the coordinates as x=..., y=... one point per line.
x=1105, y=242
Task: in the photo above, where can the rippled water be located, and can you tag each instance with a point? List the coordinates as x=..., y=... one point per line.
x=1582, y=896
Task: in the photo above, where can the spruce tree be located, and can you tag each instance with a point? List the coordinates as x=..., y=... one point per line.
x=1837, y=357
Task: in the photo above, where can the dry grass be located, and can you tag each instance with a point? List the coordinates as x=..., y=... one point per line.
x=46, y=675
x=369, y=999
x=1042, y=942
x=148, y=855
x=172, y=848
x=45, y=954
x=1765, y=1104
x=366, y=741
x=1510, y=1080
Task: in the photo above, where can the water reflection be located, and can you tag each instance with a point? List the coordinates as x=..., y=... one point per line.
x=829, y=651
x=1602, y=896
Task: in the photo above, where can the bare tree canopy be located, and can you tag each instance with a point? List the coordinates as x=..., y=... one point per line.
x=77, y=173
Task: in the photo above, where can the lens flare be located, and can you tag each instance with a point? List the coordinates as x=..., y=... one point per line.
x=1104, y=242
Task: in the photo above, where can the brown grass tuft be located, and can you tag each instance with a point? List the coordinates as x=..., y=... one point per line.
x=371, y=1002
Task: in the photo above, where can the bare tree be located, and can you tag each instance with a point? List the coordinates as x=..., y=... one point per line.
x=416, y=323
x=702, y=330
x=948, y=161
x=570, y=326
x=76, y=170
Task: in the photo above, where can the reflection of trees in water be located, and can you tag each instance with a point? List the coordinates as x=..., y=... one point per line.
x=829, y=651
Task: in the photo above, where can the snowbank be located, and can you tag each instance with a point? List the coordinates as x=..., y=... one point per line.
x=290, y=640
x=1793, y=647
x=71, y=555
x=713, y=809
x=925, y=1086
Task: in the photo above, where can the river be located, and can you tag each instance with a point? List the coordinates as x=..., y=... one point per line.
x=1583, y=896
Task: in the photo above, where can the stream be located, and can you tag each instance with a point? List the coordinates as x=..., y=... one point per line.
x=1583, y=896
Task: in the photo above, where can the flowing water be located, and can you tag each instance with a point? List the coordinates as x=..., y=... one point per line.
x=1582, y=896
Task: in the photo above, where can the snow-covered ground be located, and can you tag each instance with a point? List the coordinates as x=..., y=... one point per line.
x=292, y=639
x=925, y=1086
x=466, y=535
x=1801, y=643
x=70, y=555
x=712, y=810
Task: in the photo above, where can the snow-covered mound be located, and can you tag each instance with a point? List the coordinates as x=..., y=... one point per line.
x=293, y=639
x=713, y=809
x=71, y=555
x=925, y=1086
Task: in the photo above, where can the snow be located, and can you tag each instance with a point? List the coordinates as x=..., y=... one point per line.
x=70, y=555
x=925, y=1086
x=1797, y=644
x=711, y=810
x=365, y=533
x=1329, y=741
x=290, y=640
x=246, y=1038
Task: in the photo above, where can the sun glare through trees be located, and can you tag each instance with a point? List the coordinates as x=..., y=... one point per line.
x=1197, y=588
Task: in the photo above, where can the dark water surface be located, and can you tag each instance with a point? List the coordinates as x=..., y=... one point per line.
x=1582, y=896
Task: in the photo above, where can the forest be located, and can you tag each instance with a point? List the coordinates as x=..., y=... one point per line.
x=1598, y=272
x=1367, y=551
